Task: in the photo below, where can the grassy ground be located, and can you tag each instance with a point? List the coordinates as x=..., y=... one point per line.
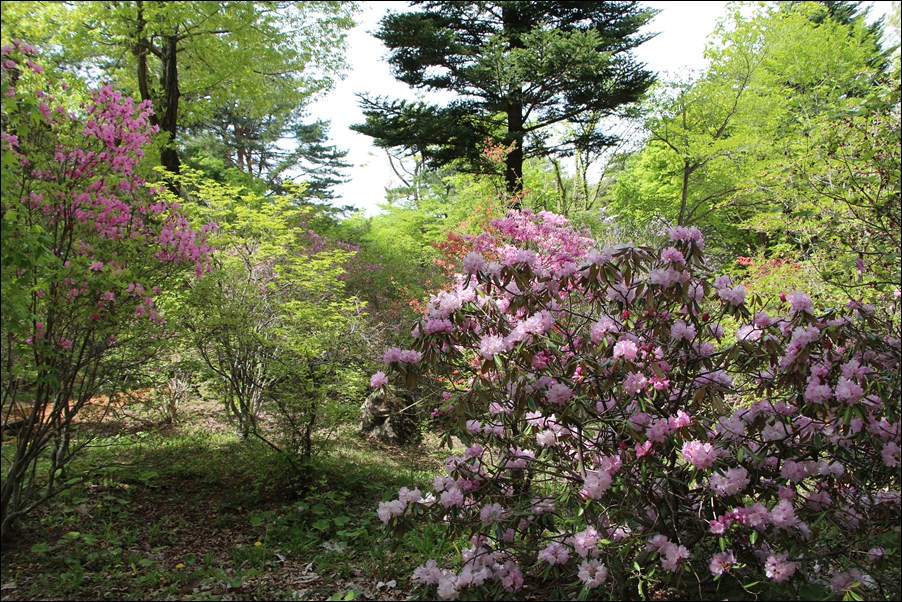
x=191, y=513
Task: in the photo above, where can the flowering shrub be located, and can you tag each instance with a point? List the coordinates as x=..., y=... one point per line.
x=615, y=437
x=87, y=248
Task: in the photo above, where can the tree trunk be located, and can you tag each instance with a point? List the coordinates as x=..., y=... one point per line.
x=165, y=110
x=513, y=163
x=684, y=194
x=169, y=157
x=514, y=26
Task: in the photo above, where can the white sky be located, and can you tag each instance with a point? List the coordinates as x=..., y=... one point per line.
x=683, y=28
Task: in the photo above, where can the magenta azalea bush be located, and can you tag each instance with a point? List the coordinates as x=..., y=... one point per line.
x=632, y=425
x=87, y=248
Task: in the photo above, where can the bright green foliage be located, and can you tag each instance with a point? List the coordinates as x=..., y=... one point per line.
x=843, y=195
x=717, y=140
x=517, y=68
x=251, y=65
x=272, y=321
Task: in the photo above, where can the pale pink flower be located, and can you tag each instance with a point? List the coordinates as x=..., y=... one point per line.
x=427, y=574
x=783, y=515
x=592, y=573
x=779, y=568
x=601, y=328
x=546, y=438
x=734, y=296
x=672, y=555
x=558, y=393
x=722, y=562
x=848, y=391
x=626, y=349
x=800, y=302
x=584, y=542
x=378, y=380
x=673, y=255
x=492, y=513
x=555, y=553
x=634, y=383
x=473, y=262
x=730, y=483
x=387, y=510
x=682, y=331
x=890, y=454
x=490, y=346
x=701, y=455
x=596, y=483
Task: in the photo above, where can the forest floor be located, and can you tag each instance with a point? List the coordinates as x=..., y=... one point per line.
x=190, y=512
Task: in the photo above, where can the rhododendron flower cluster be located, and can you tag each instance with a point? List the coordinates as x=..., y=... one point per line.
x=624, y=428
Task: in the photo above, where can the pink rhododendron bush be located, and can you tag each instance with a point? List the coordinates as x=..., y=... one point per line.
x=633, y=425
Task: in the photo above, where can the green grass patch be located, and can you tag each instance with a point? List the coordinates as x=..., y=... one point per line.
x=197, y=514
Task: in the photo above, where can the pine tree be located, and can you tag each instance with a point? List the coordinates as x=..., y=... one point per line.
x=517, y=68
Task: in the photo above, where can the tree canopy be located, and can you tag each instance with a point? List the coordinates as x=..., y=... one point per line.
x=248, y=66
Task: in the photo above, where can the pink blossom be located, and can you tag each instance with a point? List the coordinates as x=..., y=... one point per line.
x=701, y=455
x=427, y=574
x=748, y=333
x=546, y=438
x=378, y=380
x=658, y=430
x=692, y=234
x=584, y=542
x=722, y=562
x=783, y=515
x=447, y=586
x=473, y=263
x=890, y=454
x=679, y=421
x=434, y=325
x=779, y=568
x=625, y=349
x=672, y=555
x=816, y=392
x=642, y=449
x=601, y=328
x=682, y=331
x=409, y=356
x=558, y=394
x=490, y=346
x=673, y=255
x=800, y=302
x=491, y=514
x=596, y=483
x=387, y=510
x=452, y=497
x=794, y=471
x=731, y=482
x=554, y=553
x=635, y=383
x=734, y=296
x=848, y=391
x=592, y=573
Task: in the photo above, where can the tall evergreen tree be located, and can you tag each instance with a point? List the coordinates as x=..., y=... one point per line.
x=517, y=68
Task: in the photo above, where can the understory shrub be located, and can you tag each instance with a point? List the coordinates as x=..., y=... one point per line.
x=619, y=443
x=87, y=249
